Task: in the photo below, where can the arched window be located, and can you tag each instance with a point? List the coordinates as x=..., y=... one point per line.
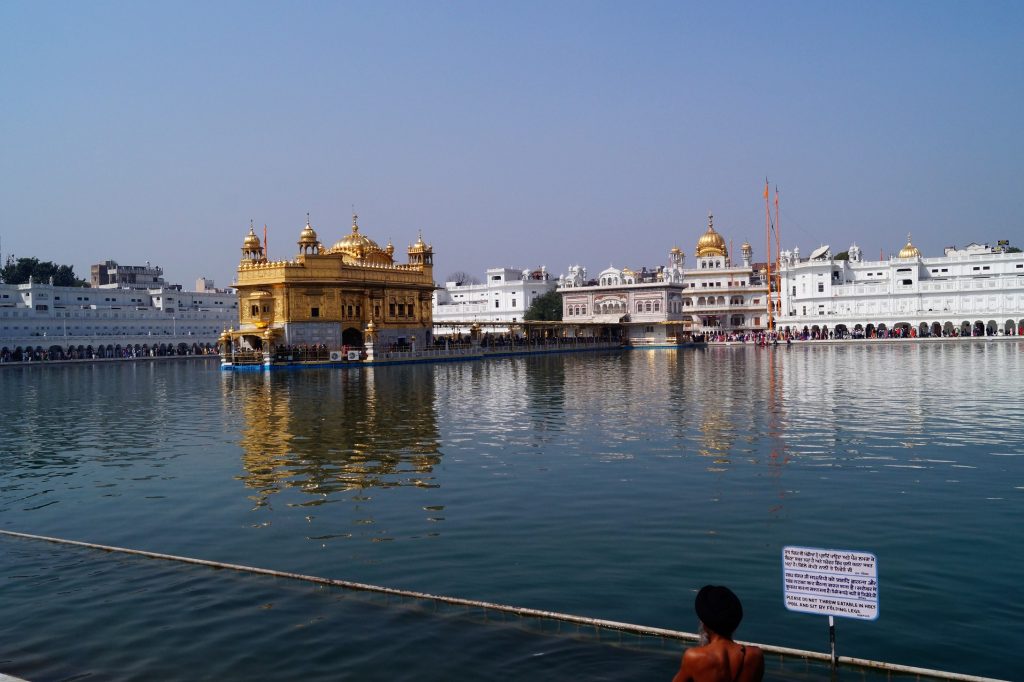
x=639, y=307
x=657, y=306
x=583, y=309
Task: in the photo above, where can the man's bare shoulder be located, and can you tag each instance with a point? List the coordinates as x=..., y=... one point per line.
x=753, y=664
x=700, y=663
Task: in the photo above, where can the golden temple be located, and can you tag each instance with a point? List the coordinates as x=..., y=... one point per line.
x=346, y=295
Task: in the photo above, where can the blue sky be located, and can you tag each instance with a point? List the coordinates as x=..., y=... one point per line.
x=517, y=133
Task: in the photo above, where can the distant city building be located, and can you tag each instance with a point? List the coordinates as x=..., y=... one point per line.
x=667, y=303
x=974, y=291
x=504, y=296
x=347, y=294
x=36, y=315
x=110, y=275
x=204, y=284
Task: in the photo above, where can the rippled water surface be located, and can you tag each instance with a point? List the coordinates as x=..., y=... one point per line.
x=610, y=485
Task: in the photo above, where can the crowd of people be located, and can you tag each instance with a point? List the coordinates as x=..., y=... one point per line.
x=506, y=340
x=129, y=352
x=825, y=334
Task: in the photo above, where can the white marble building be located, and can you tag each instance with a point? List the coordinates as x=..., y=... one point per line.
x=40, y=316
x=666, y=304
x=503, y=298
x=974, y=291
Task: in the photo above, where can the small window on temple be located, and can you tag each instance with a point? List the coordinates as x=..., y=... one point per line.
x=314, y=312
x=391, y=309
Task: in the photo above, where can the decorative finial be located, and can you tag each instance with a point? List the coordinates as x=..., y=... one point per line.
x=355, y=220
x=711, y=221
x=307, y=217
x=908, y=237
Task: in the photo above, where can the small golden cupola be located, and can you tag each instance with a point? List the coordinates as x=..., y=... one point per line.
x=909, y=251
x=308, y=242
x=420, y=253
x=356, y=247
x=252, y=249
x=711, y=243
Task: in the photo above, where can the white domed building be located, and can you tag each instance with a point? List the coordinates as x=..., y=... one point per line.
x=974, y=291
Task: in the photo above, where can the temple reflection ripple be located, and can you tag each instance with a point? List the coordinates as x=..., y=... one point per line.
x=329, y=432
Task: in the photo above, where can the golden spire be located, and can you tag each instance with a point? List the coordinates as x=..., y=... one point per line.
x=909, y=251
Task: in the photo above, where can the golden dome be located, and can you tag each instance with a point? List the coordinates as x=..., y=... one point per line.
x=419, y=246
x=909, y=251
x=252, y=242
x=711, y=243
x=358, y=247
x=745, y=246
x=675, y=250
x=308, y=236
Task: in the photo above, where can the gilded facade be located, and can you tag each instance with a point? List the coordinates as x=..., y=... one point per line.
x=342, y=295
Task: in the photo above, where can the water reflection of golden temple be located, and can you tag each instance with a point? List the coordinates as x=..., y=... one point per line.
x=334, y=296
x=300, y=432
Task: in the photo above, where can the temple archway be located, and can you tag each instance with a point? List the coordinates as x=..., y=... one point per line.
x=352, y=337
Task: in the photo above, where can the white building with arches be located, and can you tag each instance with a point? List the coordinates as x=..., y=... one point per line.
x=83, y=322
x=974, y=291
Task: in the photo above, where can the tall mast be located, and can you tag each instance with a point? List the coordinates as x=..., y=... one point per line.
x=778, y=250
x=768, y=260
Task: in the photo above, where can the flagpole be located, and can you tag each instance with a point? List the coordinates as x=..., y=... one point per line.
x=768, y=260
x=778, y=251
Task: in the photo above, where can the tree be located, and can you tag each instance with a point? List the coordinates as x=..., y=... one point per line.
x=18, y=272
x=845, y=255
x=546, y=308
x=460, y=277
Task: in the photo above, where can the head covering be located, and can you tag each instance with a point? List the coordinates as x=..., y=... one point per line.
x=719, y=609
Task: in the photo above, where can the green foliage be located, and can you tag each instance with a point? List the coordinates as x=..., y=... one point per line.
x=841, y=256
x=18, y=272
x=546, y=308
x=1012, y=249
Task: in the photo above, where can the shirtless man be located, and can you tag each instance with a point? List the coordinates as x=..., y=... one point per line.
x=721, y=659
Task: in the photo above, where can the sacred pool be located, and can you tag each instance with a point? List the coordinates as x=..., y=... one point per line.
x=610, y=485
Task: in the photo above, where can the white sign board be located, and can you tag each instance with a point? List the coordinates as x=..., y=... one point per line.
x=833, y=582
